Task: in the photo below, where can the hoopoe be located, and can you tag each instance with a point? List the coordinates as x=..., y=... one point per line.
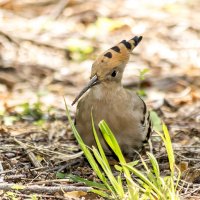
x=123, y=110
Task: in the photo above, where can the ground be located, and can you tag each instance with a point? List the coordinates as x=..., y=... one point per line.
x=46, y=51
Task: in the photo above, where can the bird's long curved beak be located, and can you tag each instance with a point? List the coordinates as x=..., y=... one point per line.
x=93, y=81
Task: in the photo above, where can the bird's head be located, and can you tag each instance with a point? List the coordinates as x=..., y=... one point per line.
x=110, y=65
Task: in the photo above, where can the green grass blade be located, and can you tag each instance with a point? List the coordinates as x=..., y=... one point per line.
x=86, y=182
x=150, y=176
x=146, y=180
x=156, y=170
x=178, y=178
x=99, y=144
x=102, y=193
x=85, y=149
x=116, y=187
x=111, y=140
x=169, y=149
x=144, y=164
x=154, y=163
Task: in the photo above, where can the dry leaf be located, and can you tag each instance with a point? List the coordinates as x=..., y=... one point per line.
x=75, y=194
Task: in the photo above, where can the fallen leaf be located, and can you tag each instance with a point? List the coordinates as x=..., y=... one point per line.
x=75, y=194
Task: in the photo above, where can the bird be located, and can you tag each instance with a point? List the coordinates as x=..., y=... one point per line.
x=123, y=110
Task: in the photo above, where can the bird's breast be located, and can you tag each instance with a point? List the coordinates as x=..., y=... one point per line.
x=117, y=109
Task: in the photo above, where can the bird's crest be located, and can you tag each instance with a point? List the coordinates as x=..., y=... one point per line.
x=119, y=53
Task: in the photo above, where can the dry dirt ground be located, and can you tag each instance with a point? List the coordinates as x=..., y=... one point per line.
x=46, y=52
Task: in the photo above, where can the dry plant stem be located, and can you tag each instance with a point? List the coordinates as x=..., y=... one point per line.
x=68, y=157
x=10, y=39
x=50, y=181
x=13, y=177
x=1, y=170
x=5, y=172
x=31, y=155
x=44, y=189
x=42, y=196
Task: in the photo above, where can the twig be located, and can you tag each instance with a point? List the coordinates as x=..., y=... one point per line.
x=42, y=196
x=1, y=170
x=6, y=171
x=50, y=181
x=31, y=155
x=12, y=177
x=64, y=156
x=69, y=164
x=43, y=189
x=9, y=38
x=187, y=158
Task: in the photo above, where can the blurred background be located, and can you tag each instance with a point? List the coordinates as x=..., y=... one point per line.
x=47, y=48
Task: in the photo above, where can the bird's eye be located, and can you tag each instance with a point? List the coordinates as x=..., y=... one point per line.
x=114, y=73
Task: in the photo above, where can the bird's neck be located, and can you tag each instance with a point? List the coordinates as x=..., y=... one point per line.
x=103, y=91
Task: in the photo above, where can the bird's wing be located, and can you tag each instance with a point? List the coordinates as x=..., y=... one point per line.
x=146, y=120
